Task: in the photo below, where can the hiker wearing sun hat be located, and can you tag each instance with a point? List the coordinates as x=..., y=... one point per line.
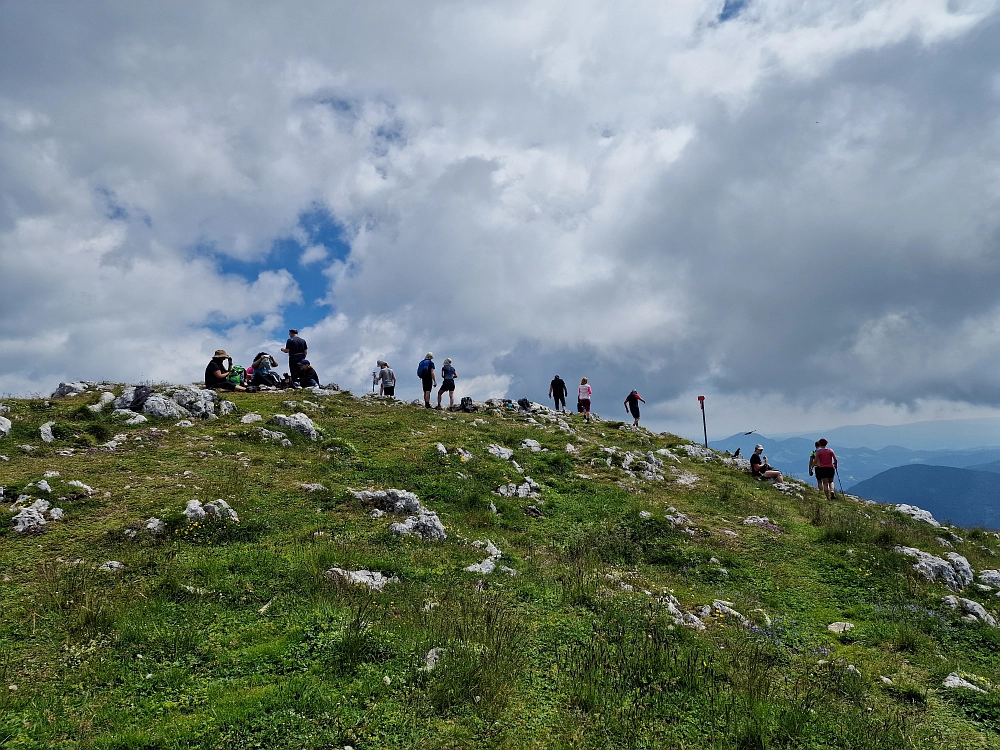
x=217, y=372
x=448, y=376
x=425, y=371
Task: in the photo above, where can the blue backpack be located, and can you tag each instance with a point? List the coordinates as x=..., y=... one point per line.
x=424, y=368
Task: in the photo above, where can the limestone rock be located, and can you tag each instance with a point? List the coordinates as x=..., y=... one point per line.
x=425, y=525
x=155, y=526
x=251, y=417
x=570, y=448
x=29, y=519
x=298, y=422
x=312, y=487
x=532, y=445
x=955, y=573
x=5, y=426
x=69, y=389
x=221, y=509
x=486, y=567
x=198, y=401
x=106, y=398
x=226, y=408
x=840, y=627
x=526, y=489
x=112, y=566
x=971, y=609
x=763, y=522
x=991, y=577
x=372, y=579
x=158, y=405
x=56, y=514
x=725, y=609
x=645, y=514
x=500, y=452
x=278, y=437
x=185, y=423
x=194, y=510
x=80, y=485
x=918, y=514
x=46, y=432
x=441, y=449
x=43, y=485
x=955, y=680
x=391, y=501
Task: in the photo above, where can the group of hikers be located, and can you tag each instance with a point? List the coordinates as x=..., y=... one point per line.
x=222, y=374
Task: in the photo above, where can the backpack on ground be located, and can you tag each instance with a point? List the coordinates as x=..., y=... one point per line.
x=424, y=368
x=524, y=404
x=467, y=405
x=237, y=375
x=142, y=392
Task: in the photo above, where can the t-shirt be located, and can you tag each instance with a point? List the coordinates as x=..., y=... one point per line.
x=429, y=366
x=387, y=376
x=262, y=365
x=448, y=372
x=755, y=463
x=824, y=457
x=296, y=347
x=633, y=400
x=558, y=387
x=584, y=392
x=213, y=373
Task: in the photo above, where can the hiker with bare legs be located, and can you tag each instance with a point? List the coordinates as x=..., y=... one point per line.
x=759, y=467
x=826, y=468
x=632, y=405
x=425, y=371
x=386, y=379
x=448, y=375
x=584, y=394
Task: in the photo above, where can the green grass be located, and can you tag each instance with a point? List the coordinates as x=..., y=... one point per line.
x=230, y=635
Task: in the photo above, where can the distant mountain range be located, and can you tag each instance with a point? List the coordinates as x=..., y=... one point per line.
x=942, y=434
x=965, y=497
x=791, y=456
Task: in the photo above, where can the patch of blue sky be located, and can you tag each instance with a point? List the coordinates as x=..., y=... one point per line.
x=731, y=9
x=322, y=236
x=112, y=208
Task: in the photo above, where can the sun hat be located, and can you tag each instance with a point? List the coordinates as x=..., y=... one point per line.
x=219, y=353
x=758, y=447
x=429, y=355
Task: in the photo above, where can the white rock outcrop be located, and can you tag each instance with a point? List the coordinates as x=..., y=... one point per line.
x=992, y=577
x=106, y=398
x=954, y=572
x=112, y=566
x=69, y=389
x=390, y=501
x=161, y=407
x=194, y=510
x=500, y=452
x=972, y=611
x=5, y=427
x=425, y=525
x=198, y=401
x=918, y=514
x=956, y=681
x=528, y=488
x=46, y=432
x=221, y=509
x=251, y=417
x=298, y=422
x=370, y=578
x=532, y=445
x=226, y=408
x=155, y=526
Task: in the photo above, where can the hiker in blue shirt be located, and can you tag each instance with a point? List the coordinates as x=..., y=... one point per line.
x=448, y=376
x=425, y=371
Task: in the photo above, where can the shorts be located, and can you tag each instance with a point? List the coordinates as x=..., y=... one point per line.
x=447, y=385
x=635, y=411
x=388, y=390
x=824, y=472
x=428, y=383
x=583, y=404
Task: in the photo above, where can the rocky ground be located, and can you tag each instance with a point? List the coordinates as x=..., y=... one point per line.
x=314, y=569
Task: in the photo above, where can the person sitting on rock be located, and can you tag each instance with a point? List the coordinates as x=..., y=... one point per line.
x=262, y=365
x=307, y=375
x=448, y=375
x=217, y=372
x=759, y=467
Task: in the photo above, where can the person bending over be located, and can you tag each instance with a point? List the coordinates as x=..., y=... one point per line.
x=760, y=468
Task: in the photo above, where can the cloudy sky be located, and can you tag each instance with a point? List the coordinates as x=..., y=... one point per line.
x=792, y=207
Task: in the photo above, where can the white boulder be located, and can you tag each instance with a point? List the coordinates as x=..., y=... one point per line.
x=298, y=422
x=991, y=577
x=106, y=398
x=500, y=452
x=425, y=525
x=973, y=611
x=251, y=417
x=46, y=432
x=5, y=426
x=955, y=572
x=29, y=519
x=955, y=680
x=158, y=405
x=199, y=401
x=372, y=579
x=194, y=510
x=112, y=566
x=532, y=445
x=918, y=514
x=155, y=526
x=391, y=501
x=221, y=509
x=226, y=408
x=69, y=389
x=80, y=485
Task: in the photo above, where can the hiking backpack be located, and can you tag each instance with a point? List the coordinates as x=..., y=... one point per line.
x=467, y=405
x=237, y=374
x=424, y=368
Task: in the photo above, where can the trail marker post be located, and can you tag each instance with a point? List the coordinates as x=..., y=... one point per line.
x=704, y=424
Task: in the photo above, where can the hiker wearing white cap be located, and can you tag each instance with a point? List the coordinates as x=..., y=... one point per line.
x=425, y=371
x=386, y=379
x=448, y=376
x=759, y=467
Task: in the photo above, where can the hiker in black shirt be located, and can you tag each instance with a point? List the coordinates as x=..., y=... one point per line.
x=297, y=350
x=558, y=391
x=218, y=370
x=632, y=405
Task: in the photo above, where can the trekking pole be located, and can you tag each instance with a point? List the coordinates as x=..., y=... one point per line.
x=704, y=424
x=837, y=470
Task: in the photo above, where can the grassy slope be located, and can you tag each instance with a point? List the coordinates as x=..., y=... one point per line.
x=180, y=651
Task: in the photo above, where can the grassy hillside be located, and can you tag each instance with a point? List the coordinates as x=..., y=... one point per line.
x=231, y=635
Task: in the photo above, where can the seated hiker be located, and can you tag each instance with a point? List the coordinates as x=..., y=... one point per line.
x=262, y=366
x=307, y=375
x=219, y=371
x=759, y=467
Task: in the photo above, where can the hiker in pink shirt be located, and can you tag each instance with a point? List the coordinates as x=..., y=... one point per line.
x=583, y=396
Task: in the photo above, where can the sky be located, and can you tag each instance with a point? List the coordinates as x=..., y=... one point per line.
x=792, y=208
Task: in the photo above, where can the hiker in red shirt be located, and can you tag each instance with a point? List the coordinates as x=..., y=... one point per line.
x=826, y=467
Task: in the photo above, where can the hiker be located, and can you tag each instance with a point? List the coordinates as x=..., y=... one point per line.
x=826, y=468
x=262, y=365
x=386, y=379
x=558, y=391
x=307, y=375
x=632, y=405
x=297, y=350
x=425, y=371
x=448, y=376
x=218, y=371
x=812, y=463
x=759, y=467
x=583, y=396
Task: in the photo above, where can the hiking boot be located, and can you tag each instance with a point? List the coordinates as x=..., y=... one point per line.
x=427, y=404
x=438, y=407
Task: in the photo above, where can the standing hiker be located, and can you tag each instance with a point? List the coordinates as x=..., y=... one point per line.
x=386, y=379
x=632, y=405
x=558, y=391
x=760, y=468
x=297, y=350
x=826, y=467
x=448, y=375
x=812, y=464
x=583, y=396
x=425, y=371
